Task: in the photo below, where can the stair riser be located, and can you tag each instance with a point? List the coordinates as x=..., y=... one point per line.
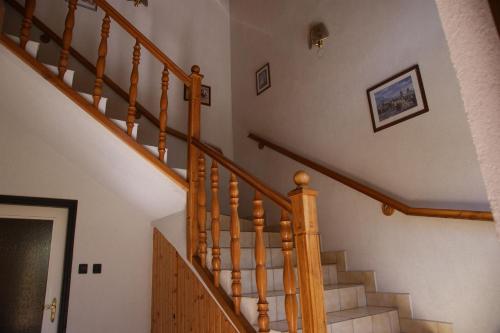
x=247, y=239
x=274, y=279
x=225, y=222
x=274, y=258
x=335, y=300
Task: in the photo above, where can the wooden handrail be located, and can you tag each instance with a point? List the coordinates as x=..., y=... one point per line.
x=389, y=204
x=258, y=185
x=141, y=110
x=143, y=40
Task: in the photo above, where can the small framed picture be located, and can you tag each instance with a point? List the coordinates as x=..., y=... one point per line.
x=206, y=95
x=89, y=4
x=396, y=99
x=263, y=79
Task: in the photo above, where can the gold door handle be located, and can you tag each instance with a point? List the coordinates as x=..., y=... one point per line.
x=52, y=307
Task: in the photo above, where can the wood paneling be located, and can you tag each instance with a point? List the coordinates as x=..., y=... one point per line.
x=180, y=302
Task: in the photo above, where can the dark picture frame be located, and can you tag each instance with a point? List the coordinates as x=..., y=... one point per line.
x=206, y=94
x=263, y=79
x=397, y=99
x=71, y=206
x=89, y=4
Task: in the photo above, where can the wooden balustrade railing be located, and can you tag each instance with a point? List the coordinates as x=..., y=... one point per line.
x=302, y=206
x=388, y=204
x=301, y=203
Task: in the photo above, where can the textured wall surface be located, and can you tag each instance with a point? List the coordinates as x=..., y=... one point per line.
x=317, y=106
x=475, y=52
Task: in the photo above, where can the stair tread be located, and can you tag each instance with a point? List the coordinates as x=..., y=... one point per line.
x=336, y=316
x=270, y=268
x=274, y=293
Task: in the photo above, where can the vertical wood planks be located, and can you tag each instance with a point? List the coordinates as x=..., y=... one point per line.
x=180, y=303
x=134, y=80
x=260, y=263
x=162, y=140
x=216, y=263
x=234, y=230
x=101, y=60
x=67, y=37
x=288, y=274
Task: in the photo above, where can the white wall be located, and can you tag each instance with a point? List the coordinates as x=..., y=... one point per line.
x=477, y=62
x=317, y=106
x=109, y=230
x=188, y=31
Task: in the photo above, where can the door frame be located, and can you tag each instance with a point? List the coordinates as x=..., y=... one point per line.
x=71, y=206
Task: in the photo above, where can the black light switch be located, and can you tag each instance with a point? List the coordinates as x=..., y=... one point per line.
x=83, y=268
x=96, y=268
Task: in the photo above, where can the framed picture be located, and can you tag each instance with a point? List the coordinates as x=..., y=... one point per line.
x=90, y=4
x=263, y=79
x=206, y=95
x=397, y=99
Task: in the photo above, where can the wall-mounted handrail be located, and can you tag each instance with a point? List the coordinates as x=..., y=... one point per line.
x=144, y=41
x=141, y=110
x=279, y=199
x=389, y=204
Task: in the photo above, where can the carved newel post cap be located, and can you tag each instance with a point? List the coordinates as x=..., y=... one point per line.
x=195, y=69
x=301, y=179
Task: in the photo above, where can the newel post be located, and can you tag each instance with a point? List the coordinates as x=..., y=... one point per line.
x=194, y=128
x=305, y=229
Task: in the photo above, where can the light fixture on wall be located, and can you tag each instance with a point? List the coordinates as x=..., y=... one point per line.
x=317, y=35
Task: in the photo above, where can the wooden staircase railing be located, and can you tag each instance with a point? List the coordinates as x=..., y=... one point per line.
x=388, y=204
x=300, y=203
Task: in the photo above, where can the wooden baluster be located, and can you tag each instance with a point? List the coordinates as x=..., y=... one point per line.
x=305, y=227
x=162, y=141
x=134, y=80
x=202, y=213
x=260, y=263
x=193, y=133
x=101, y=59
x=288, y=274
x=234, y=230
x=24, y=36
x=67, y=37
x=214, y=175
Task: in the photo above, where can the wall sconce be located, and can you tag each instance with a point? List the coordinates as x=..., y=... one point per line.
x=317, y=35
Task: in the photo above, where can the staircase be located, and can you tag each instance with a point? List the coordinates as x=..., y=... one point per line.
x=264, y=280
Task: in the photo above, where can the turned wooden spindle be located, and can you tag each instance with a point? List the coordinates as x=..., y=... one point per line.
x=24, y=36
x=260, y=263
x=67, y=37
x=202, y=211
x=306, y=233
x=101, y=60
x=162, y=141
x=193, y=133
x=288, y=273
x=234, y=230
x=216, y=264
x=134, y=80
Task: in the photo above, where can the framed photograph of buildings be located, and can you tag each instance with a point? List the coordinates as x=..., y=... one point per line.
x=206, y=95
x=397, y=99
x=263, y=79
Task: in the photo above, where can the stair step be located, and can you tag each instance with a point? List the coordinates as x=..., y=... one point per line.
x=274, y=257
x=367, y=319
x=247, y=239
x=274, y=279
x=102, y=103
x=68, y=75
x=31, y=47
x=123, y=125
x=154, y=150
x=338, y=297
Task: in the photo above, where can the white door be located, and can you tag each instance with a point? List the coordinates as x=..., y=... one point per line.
x=42, y=233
